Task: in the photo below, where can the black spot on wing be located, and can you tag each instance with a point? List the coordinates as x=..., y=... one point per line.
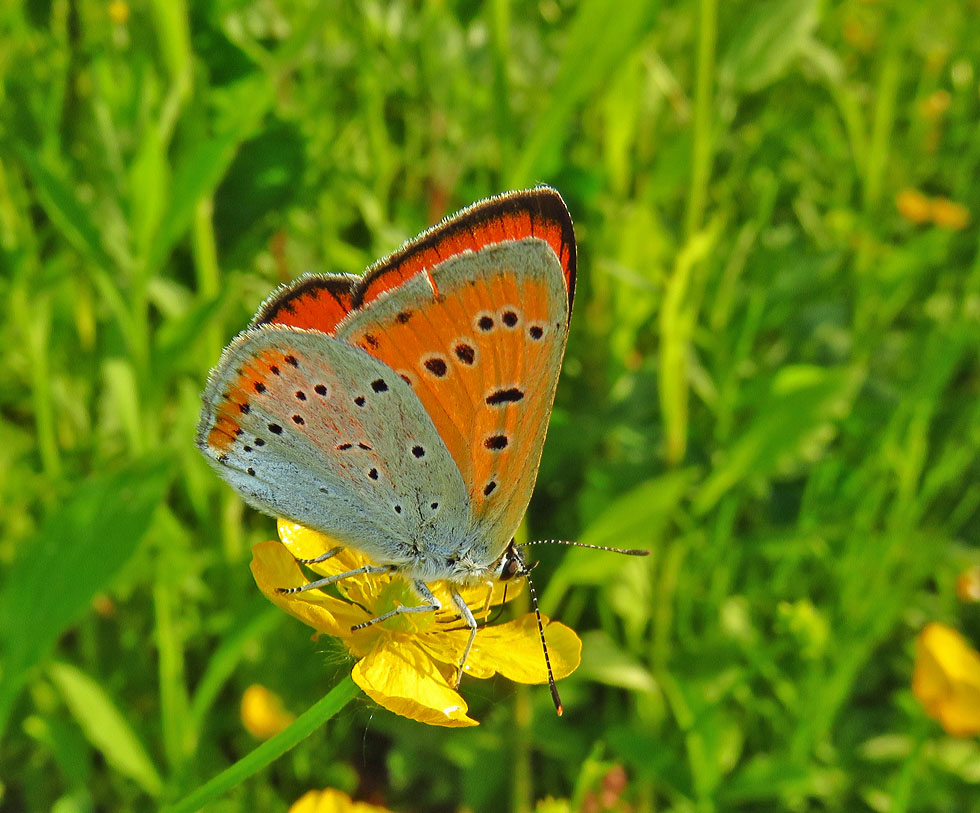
x=508, y=396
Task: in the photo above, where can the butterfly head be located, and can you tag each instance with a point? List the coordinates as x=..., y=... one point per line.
x=511, y=564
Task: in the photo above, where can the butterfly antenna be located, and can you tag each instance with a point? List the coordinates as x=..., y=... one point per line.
x=526, y=573
x=626, y=551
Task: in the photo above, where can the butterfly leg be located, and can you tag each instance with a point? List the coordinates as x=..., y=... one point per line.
x=322, y=557
x=423, y=591
x=335, y=578
x=471, y=623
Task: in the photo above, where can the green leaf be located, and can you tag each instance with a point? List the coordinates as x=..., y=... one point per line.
x=598, y=42
x=67, y=214
x=105, y=727
x=605, y=661
x=198, y=174
x=82, y=545
x=768, y=39
x=635, y=520
x=802, y=401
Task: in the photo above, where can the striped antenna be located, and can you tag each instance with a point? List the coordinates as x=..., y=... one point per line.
x=526, y=573
x=626, y=551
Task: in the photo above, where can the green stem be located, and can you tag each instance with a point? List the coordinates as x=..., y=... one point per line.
x=269, y=751
x=703, y=101
x=205, y=251
x=173, y=690
x=500, y=37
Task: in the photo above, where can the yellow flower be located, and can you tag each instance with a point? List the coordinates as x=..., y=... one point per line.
x=968, y=584
x=118, y=11
x=935, y=105
x=332, y=801
x=408, y=663
x=914, y=206
x=918, y=208
x=949, y=215
x=946, y=679
x=263, y=714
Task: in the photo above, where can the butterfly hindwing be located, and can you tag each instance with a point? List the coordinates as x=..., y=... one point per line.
x=312, y=429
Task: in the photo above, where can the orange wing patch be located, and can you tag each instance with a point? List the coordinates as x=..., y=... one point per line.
x=236, y=402
x=483, y=358
x=314, y=302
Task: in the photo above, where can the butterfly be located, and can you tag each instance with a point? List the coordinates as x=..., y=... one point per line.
x=403, y=413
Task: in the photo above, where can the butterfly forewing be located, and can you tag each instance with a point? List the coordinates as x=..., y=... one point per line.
x=480, y=342
x=312, y=429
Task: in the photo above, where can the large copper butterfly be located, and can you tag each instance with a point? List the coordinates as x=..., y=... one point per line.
x=403, y=412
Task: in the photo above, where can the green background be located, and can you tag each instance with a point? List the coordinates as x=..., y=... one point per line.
x=771, y=382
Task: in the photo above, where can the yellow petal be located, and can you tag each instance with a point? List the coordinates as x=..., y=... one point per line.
x=946, y=679
x=402, y=678
x=332, y=801
x=304, y=543
x=514, y=650
x=914, y=206
x=262, y=712
x=957, y=659
x=948, y=214
x=475, y=596
x=960, y=715
x=273, y=567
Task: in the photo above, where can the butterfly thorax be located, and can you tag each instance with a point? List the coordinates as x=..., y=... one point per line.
x=464, y=562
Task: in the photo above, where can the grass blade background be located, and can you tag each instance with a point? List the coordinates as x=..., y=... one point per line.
x=105, y=726
x=83, y=544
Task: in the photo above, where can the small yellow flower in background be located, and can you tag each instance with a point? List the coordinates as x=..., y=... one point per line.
x=332, y=801
x=949, y=215
x=118, y=11
x=918, y=208
x=263, y=714
x=946, y=679
x=968, y=584
x=408, y=663
x=914, y=206
x=935, y=105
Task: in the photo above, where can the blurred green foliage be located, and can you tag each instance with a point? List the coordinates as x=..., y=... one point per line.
x=772, y=383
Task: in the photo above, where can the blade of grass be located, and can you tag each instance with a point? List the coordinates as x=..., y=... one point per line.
x=105, y=726
x=703, y=106
x=82, y=545
x=269, y=751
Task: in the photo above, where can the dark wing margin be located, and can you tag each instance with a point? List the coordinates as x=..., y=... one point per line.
x=538, y=212
x=321, y=301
